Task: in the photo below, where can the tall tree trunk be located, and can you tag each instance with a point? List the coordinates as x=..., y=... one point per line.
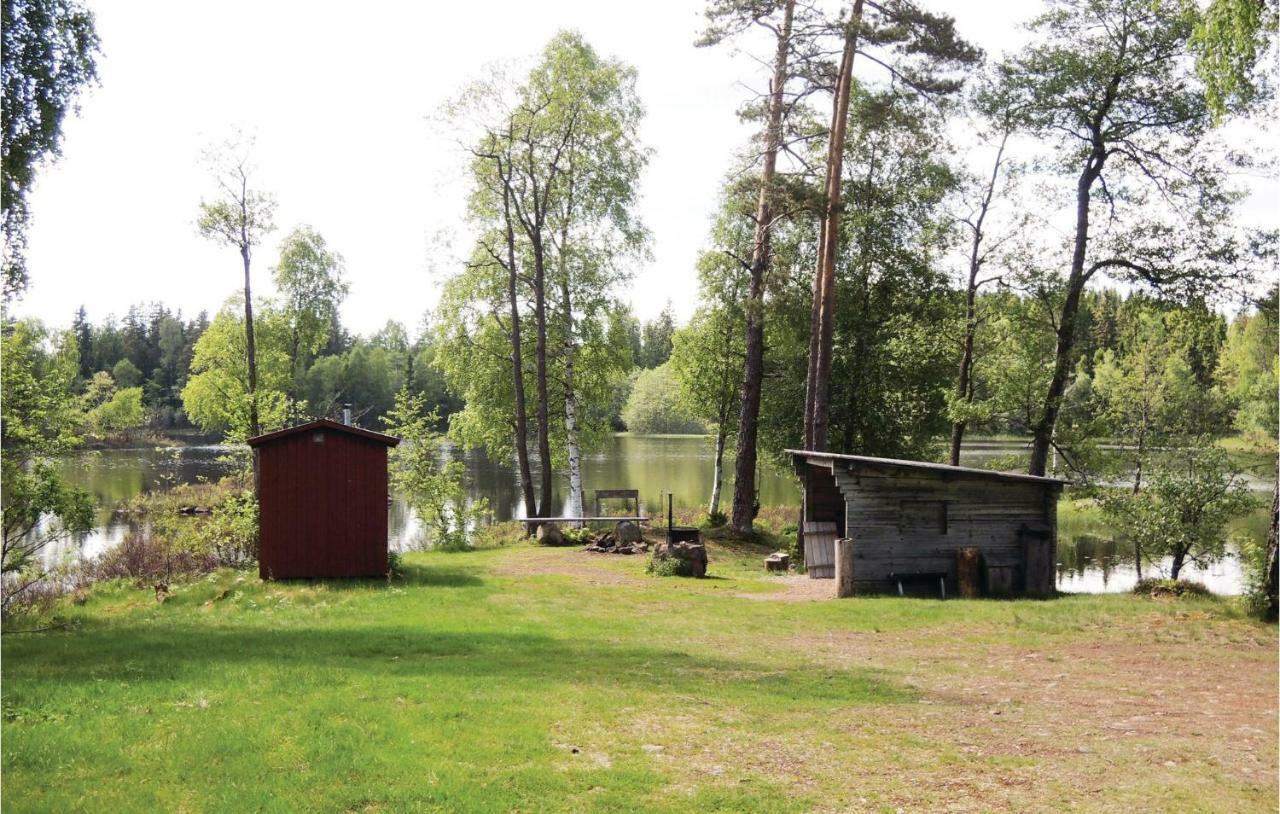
x=818, y=392
x=517, y=359
x=540, y=371
x=744, y=484
x=717, y=474
x=1042, y=432
x=1137, y=487
x=1271, y=581
x=577, y=499
x=964, y=379
x=251, y=351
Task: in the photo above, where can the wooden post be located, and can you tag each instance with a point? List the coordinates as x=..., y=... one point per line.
x=968, y=575
x=844, y=567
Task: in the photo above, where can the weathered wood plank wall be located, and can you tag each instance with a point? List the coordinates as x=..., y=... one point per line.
x=907, y=521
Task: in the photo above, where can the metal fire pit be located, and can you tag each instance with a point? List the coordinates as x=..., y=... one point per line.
x=680, y=534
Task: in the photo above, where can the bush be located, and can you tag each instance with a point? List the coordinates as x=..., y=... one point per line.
x=669, y=567
x=716, y=519
x=147, y=559
x=430, y=480
x=582, y=536
x=496, y=535
x=1158, y=586
x=395, y=564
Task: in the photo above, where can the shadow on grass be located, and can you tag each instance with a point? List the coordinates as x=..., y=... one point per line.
x=187, y=651
x=409, y=574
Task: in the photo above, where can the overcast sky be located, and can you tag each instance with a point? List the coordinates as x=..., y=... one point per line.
x=341, y=98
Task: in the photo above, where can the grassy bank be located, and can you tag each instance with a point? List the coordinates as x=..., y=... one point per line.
x=528, y=679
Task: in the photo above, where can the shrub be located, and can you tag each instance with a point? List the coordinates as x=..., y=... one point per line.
x=582, y=536
x=395, y=564
x=500, y=534
x=1158, y=586
x=429, y=478
x=669, y=567
x=716, y=519
x=147, y=559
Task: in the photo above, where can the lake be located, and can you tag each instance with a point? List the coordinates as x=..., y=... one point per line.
x=1089, y=559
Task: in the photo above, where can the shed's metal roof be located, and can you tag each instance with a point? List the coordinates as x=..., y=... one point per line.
x=895, y=463
x=323, y=424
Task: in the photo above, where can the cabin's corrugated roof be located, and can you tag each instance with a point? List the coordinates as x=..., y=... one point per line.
x=323, y=424
x=894, y=463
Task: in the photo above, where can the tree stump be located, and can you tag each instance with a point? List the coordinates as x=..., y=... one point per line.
x=968, y=574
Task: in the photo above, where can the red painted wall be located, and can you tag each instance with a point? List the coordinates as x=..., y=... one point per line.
x=323, y=501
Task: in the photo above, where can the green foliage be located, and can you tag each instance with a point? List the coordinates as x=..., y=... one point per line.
x=669, y=567
x=657, y=339
x=122, y=412
x=1184, y=511
x=578, y=536
x=217, y=393
x=230, y=532
x=716, y=519
x=239, y=216
x=309, y=279
x=49, y=55
x=706, y=362
x=892, y=364
x=654, y=406
x=554, y=187
x=395, y=565
x=430, y=480
x=126, y=374
x=1248, y=371
x=39, y=414
x=1229, y=40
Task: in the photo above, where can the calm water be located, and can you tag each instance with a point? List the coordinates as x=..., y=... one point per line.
x=656, y=465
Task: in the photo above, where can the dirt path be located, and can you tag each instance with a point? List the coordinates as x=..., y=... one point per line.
x=795, y=588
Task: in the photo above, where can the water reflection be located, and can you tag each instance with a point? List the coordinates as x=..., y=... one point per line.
x=1091, y=563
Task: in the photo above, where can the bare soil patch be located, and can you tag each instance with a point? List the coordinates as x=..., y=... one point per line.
x=569, y=561
x=794, y=588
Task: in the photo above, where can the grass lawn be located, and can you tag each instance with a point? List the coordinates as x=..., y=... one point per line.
x=529, y=679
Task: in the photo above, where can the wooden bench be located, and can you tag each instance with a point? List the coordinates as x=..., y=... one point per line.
x=921, y=576
x=627, y=496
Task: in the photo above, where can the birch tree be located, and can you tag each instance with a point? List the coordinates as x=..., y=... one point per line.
x=593, y=228
x=555, y=171
x=240, y=216
x=309, y=279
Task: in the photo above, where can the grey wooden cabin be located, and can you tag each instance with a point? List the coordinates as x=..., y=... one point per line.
x=910, y=520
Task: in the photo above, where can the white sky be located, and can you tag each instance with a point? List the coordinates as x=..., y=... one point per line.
x=340, y=97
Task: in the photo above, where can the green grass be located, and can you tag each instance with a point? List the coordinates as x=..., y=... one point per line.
x=478, y=683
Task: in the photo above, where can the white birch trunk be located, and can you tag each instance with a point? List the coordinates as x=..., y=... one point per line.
x=718, y=474
x=576, y=496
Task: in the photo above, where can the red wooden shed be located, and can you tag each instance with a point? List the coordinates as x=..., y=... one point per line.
x=322, y=501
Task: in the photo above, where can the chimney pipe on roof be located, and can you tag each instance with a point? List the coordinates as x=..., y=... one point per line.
x=346, y=414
